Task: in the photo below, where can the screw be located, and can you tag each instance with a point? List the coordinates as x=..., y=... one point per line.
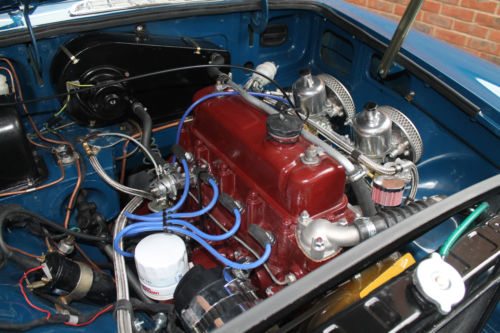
x=138, y=324
x=160, y=320
x=304, y=218
x=319, y=243
x=311, y=152
x=291, y=277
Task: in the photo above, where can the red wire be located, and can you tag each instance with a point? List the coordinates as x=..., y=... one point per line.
x=93, y=318
x=46, y=311
x=24, y=293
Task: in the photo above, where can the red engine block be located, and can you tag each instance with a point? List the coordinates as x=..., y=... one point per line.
x=268, y=178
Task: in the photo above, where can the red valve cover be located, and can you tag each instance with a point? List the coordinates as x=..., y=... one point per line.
x=267, y=178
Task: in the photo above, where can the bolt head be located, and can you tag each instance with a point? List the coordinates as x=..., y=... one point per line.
x=189, y=157
x=319, y=242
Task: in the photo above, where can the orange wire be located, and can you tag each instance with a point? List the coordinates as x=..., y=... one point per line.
x=74, y=194
x=22, y=252
x=20, y=93
x=124, y=157
x=11, y=78
x=38, y=144
x=39, y=187
x=12, y=73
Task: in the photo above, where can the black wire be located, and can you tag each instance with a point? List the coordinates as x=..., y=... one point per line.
x=55, y=300
x=147, y=75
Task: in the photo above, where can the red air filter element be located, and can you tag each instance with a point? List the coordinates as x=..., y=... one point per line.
x=388, y=191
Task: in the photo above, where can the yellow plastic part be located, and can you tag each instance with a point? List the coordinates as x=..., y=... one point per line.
x=397, y=268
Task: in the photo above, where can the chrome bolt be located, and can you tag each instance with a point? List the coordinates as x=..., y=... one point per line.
x=319, y=243
x=290, y=277
x=138, y=324
x=189, y=157
x=160, y=320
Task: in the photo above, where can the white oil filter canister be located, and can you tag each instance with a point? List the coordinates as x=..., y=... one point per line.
x=161, y=261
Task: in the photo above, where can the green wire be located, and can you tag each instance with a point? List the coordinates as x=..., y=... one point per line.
x=445, y=249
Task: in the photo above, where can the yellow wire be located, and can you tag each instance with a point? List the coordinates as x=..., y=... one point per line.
x=79, y=85
x=58, y=113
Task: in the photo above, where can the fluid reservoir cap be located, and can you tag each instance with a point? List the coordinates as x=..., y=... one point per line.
x=284, y=128
x=161, y=261
x=439, y=282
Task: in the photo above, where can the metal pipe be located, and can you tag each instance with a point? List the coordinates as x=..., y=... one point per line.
x=400, y=34
x=111, y=182
x=349, y=167
x=335, y=138
x=146, y=151
x=340, y=235
x=339, y=141
x=123, y=316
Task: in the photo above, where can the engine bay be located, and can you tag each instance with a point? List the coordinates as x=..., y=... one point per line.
x=178, y=186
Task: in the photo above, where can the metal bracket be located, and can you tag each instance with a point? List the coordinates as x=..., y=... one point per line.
x=259, y=19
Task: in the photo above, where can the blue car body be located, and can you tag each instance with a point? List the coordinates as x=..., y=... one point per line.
x=451, y=96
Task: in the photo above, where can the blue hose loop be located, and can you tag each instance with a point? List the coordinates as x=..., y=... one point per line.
x=139, y=228
x=129, y=231
x=158, y=216
x=217, y=94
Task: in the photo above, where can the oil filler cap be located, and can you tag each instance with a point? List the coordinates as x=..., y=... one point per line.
x=439, y=283
x=284, y=128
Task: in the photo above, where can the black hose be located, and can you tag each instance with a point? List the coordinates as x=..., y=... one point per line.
x=11, y=210
x=55, y=300
x=364, y=197
x=215, y=72
x=19, y=327
x=131, y=277
x=5, y=253
x=147, y=123
x=139, y=305
x=388, y=217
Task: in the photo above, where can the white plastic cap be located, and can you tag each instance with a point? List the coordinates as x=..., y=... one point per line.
x=161, y=262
